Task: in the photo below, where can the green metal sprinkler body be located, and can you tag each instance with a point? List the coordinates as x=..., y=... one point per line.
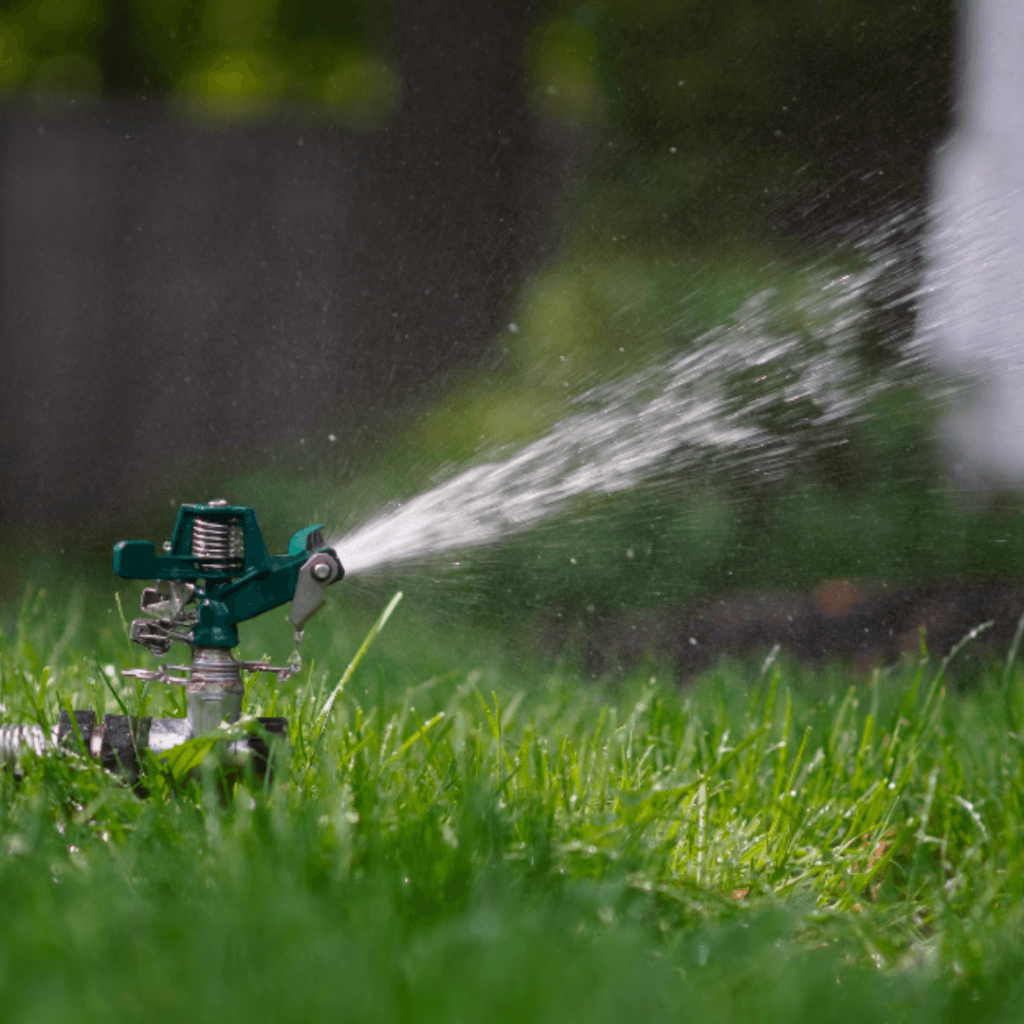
x=235, y=589
x=215, y=573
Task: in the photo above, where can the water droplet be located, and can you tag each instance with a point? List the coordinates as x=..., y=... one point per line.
x=294, y=662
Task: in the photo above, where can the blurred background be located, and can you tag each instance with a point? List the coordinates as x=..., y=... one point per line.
x=304, y=255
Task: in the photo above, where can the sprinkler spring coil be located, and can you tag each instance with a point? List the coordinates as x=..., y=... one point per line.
x=220, y=543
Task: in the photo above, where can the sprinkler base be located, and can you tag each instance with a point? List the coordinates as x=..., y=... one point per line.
x=119, y=741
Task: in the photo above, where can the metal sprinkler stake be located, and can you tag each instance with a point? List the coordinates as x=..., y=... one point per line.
x=215, y=573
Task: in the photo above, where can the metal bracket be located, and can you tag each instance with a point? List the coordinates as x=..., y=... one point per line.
x=157, y=635
x=317, y=573
x=163, y=674
x=167, y=599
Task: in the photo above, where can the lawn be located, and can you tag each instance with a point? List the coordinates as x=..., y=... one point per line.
x=477, y=835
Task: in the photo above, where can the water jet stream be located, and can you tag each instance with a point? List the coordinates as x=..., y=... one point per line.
x=756, y=395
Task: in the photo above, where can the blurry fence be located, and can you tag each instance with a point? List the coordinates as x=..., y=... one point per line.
x=173, y=289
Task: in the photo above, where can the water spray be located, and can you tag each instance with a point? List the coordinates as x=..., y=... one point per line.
x=215, y=572
x=754, y=397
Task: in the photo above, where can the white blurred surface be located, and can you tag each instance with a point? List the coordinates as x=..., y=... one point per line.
x=972, y=309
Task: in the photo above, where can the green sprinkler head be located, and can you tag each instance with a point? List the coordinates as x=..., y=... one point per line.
x=216, y=572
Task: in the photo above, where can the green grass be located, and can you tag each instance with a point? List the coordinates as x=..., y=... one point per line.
x=479, y=837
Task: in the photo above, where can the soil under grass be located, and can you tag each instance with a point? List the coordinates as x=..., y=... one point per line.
x=864, y=624
x=473, y=840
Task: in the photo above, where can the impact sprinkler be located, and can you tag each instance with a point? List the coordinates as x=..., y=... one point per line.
x=215, y=572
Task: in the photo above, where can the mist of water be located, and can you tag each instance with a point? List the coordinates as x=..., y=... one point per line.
x=753, y=396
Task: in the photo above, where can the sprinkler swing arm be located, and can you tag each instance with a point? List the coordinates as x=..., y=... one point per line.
x=215, y=573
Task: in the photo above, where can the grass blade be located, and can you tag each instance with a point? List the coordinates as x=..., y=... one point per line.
x=321, y=719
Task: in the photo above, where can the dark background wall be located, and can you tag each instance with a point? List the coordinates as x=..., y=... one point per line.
x=176, y=291
x=165, y=289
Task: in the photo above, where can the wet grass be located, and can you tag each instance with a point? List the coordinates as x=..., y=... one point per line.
x=474, y=838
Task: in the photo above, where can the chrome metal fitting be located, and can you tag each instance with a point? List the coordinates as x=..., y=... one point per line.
x=119, y=741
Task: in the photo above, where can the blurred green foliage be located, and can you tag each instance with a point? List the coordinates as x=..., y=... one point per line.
x=224, y=58
x=51, y=45
x=736, y=115
x=763, y=79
